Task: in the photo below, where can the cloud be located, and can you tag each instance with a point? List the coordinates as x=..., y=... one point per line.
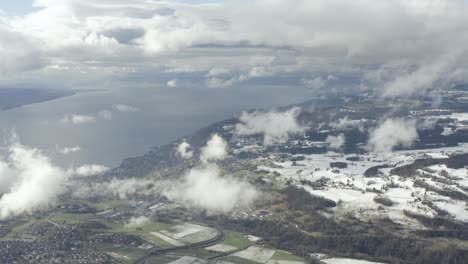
x=275, y=126
x=182, y=150
x=391, y=133
x=87, y=42
x=215, y=149
x=205, y=188
x=78, y=119
x=89, y=170
x=335, y=142
x=29, y=181
x=315, y=84
x=69, y=150
x=202, y=187
x=119, y=188
x=126, y=108
x=347, y=124
x=137, y=221
x=172, y=83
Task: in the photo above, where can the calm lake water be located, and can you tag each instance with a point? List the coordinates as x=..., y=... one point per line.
x=166, y=114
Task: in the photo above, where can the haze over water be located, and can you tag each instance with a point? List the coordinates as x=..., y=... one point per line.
x=164, y=114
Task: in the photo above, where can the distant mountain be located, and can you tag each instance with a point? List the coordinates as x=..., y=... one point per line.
x=16, y=97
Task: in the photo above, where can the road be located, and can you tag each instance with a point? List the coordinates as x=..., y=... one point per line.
x=220, y=236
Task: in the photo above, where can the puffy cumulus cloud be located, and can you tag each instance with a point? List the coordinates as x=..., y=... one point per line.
x=205, y=188
x=183, y=151
x=86, y=42
x=275, y=126
x=215, y=149
x=29, y=181
x=137, y=221
x=78, y=119
x=88, y=170
x=391, y=133
x=336, y=142
x=126, y=108
x=18, y=53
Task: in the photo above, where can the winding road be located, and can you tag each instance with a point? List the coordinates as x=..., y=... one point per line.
x=220, y=236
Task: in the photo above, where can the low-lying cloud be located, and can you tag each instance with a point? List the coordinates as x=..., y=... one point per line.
x=335, y=142
x=215, y=149
x=78, y=119
x=69, y=150
x=126, y=108
x=182, y=150
x=276, y=127
x=391, y=133
x=105, y=114
x=29, y=181
x=206, y=188
x=348, y=124
x=137, y=221
x=119, y=188
x=89, y=170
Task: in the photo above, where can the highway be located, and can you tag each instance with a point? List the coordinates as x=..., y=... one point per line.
x=220, y=236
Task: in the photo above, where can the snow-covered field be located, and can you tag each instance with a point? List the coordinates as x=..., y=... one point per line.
x=186, y=233
x=347, y=261
x=221, y=248
x=355, y=193
x=256, y=253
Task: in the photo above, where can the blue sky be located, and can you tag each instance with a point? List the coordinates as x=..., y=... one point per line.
x=16, y=7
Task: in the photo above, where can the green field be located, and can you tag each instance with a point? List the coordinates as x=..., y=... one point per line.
x=237, y=240
x=69, y=218
x=124, y=254
x=102, y=205
x=283, y=255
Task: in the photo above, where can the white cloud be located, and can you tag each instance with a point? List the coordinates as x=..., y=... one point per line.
x=137, y=221
x=89, y=170
x=69, y=150
x=391, y=133
x=315, y=84
x=347, y=124
x=205, y=188
x=119, y=188
x=275, y=126
x=126, y=108
x=336, y=142
x=183, y=151
x=215, y=149
x=229, y=42
x=172, y=83
x=78, y=119
x=29, y=181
